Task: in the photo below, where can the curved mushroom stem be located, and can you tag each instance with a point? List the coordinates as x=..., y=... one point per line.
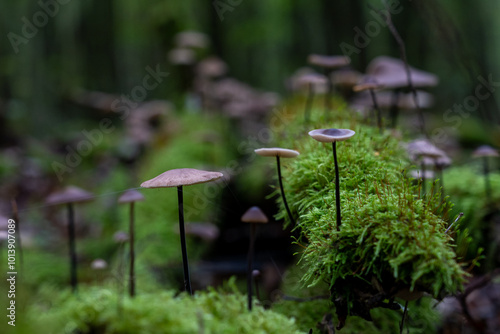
x=401, y=326
x=309, y=102
x=132, y=255
x=377, y=110
x=187, y=279
x=250, y=264
x=283, y=191
x=487, y=186
x=337, y=185
x=72, y=248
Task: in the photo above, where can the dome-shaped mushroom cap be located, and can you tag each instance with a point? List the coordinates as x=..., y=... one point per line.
x=254, y=215
x=181, y=177
x=391, y=73
x=443, y=161
x=331, y=135
x=423, y=148
x=69, y=194
x=328, y=61
x=131, y=195
x=277, y=152
x=485, y=151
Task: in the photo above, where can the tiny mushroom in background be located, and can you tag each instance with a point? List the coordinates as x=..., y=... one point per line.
x=205, y=231
x=284, y=153
x=371, y=86
x=328, y=63
x=426, y=153
x=69, y=196
x=333, y=136
x=179, y=178
x=315, y=83
x=131, y=196
x=253, y=216
x=485, y=152
x=99, y=264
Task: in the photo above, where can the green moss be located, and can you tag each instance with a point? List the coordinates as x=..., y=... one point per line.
x=213, y=311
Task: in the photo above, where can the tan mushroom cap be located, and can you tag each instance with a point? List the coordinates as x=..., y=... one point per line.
x=181, y=177
x=331, y=135
x=485, y=151
x=328, y=61
x=277, y=152
x=130, y=195
x=69, y=194
x=254, y=215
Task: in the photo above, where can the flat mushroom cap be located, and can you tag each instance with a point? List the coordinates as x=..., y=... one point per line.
x=277, y=152
x=367, y=86
x=328, y=61
x=181, y=177
x=423, y=148
x=254, y=215
x=331, y=135
x=131, y=195
x=485, y=151
x=69, y=194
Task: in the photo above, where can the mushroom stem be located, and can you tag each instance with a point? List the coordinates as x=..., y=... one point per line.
x=423, y=179
x=250, y=264
x=72, y=248
x=309, y=102
x=377, y=110
x=283, y=191
x=401, y=327
x=187, y=280
x=337, y=185
x=132, y=259
x=487, y=186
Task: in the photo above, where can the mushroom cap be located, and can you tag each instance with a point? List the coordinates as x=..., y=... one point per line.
x=205, y=231
x=485, y=151
x=317, y=81
x=254, y=215
x=131, y=195
x=391, y=73
x=181, y=56
x=70, y=194
x=277, y=152
x=385, y=99
x=328, y=61
x=99, y=264
x=211, y=67
x=181, y=177
x=367, y=86
x=121, y=236
x=331, y=135
x=443, y=161
x=423, y=148
x=346, y=77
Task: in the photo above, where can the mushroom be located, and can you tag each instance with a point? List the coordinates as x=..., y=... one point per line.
x=131, y=196
x=484, y=152
x=69, y=196
x=179, y=178
x=328, y=63
x=371, y=85
x=333, y=136
x=427, y=153
x=284, y=153
x=253, y=216
x=315, y=83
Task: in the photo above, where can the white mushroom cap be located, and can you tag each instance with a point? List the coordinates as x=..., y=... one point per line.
x=331, y=135
x=121, y=236
x=99, y=264
x=328, y=61
x=485, y=151
x=69, y=194
x=181, y=177
x=277, y=152
x=254, y=215
x=131, y=195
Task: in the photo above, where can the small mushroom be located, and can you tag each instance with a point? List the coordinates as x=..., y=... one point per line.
x=333, y=136
x=131, y=196
x=284, y=153
x=253, y=216
x=485, y=152
x=69, y=196
x=371, y=86
x=179, y=178
x=315, y=83
x=99, y=264
x=424, y=151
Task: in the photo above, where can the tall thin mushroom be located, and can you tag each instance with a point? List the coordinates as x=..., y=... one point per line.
x=131, y=196
x=371, y=86
x=179, y=178
x=485, y=152
x=253, y=216
x=333, y=136
x=69, y=196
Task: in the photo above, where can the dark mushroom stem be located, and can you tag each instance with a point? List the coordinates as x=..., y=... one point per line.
x=187, y=280
x=377, y=110
x=132, y=254
x=401, y=327
x=337, y=185
x=283, y=191
x=253, y=227
x=423, y=178
x=72, y=248
x=487, y=186
x=309, y=102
